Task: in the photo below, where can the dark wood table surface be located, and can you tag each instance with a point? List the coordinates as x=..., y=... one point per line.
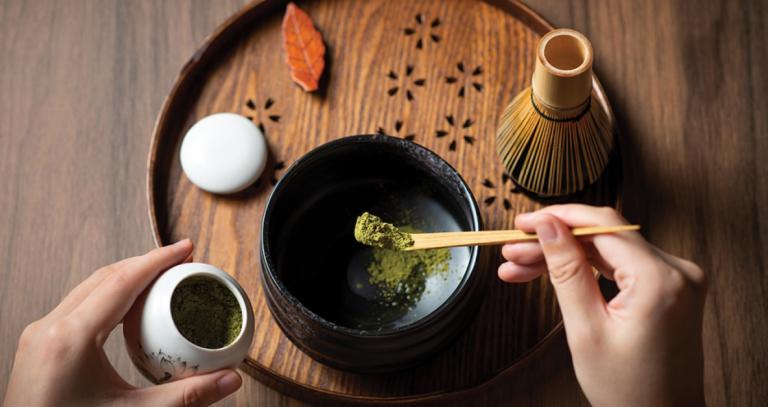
x=81, y=83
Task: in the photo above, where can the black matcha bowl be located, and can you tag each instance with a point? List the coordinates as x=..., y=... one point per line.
x=315, y=274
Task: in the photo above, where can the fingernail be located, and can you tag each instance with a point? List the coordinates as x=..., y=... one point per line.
x=504, y=267
x=546, y=231
x=182, y=242
x=524, y=216
x=503, y=270
x=228, y=383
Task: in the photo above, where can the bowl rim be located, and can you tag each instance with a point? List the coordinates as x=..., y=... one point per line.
x=267, y=269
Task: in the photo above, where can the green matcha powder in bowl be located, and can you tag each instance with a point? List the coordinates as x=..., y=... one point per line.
x=399, y=275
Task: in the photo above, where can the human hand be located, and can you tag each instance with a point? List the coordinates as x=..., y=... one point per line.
x=60, y=360
x=644, y=347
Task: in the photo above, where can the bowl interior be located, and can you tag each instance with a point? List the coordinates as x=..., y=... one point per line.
x=311, y=219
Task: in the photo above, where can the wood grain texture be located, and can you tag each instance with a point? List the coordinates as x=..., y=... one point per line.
x=433, y=71
x=83, y=81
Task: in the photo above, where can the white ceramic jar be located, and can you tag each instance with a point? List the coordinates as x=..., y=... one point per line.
x=156, y=346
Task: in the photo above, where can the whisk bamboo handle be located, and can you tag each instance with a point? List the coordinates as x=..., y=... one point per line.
x=493, y=237
x=562, y=77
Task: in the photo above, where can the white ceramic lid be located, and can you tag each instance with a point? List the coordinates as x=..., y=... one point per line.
x=223, y=153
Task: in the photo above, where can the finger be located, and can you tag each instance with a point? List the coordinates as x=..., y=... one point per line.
x=578, y=294
x=106, y=306
x=689, y=269
x=195, y=391
x=512, y=272
x=617, y=249
x=529, y=253
x=82, y=290
x=574, y=215
x=597, y=261
x=523, y=253
x=521, y=273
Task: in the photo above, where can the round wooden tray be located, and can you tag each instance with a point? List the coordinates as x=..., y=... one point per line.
x=436, y=72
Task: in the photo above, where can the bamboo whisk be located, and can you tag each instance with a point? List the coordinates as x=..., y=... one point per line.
x=554, y=138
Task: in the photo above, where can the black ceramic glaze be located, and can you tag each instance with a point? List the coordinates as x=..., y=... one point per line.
x=316, y=288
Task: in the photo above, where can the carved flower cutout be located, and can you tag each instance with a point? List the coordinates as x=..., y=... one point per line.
x=498, y=193
x=454, y=130
x=423, y=32
x=272, y=172
x=467, y=80
x=257, y=115
x=405, y=83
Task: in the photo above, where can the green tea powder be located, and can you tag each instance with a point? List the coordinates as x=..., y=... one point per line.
x=206, y=312
x=403, y=274
x=372, y=231
x=399, y=274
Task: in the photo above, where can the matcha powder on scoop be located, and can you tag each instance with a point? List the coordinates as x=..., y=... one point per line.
x=400, y=275
x=372, y=231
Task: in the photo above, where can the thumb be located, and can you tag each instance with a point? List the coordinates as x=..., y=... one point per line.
x=194, y=391
x=578, y=294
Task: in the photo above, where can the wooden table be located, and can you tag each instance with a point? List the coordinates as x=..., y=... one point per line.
x=82, y=82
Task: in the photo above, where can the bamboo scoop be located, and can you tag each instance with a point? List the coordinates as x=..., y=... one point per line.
x=492, y=237
x=371, y=230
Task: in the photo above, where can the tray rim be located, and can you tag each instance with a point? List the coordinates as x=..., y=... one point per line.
x=219, y=38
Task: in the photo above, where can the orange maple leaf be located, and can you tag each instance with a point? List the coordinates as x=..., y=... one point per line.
x=304, y=48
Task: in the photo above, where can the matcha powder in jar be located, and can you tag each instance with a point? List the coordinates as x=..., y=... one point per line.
x=206, y=312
